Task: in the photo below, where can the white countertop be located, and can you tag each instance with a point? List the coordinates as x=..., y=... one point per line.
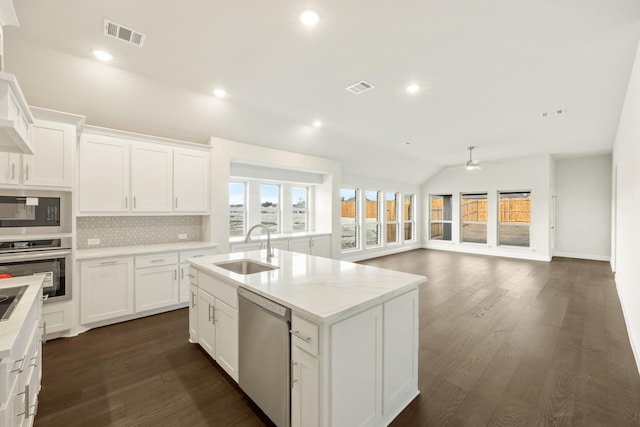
x=11, y=328
x=323, y=289
x=259, y=237
x=141, y=249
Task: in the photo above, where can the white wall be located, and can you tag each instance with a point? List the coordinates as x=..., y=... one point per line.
x=626, y=224
x=530, y=173
x=225, y=152
x=377, y=184
x=583, y=207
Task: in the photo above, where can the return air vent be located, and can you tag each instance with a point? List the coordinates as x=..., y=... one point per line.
x=125, y=34
x=360, y=87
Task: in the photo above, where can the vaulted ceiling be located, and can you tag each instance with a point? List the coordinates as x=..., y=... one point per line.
x=487, y=72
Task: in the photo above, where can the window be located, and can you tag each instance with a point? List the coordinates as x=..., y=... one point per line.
x=440, y=217
x=300, y=218
x=473, y=218
x=270, y=207
x=408, y=217
x=515, y=218
x=237, y=209
x=372, y=219
x=392, y=217
x=349, y=229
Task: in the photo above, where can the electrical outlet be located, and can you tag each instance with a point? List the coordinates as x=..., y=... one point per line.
x=182, y=236
x=93, y=241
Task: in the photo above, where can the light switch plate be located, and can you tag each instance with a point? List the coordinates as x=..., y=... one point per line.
x=182, y=236
x=93, y=241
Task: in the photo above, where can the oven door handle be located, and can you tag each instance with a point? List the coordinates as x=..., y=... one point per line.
x=29, y=256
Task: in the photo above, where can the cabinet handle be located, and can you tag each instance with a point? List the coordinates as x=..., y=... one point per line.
x=134, y=202
x=13, y=171
x=175, y=274
x=21, y=368
x=193, y=300
x=191, y=275
x=293, y=380
x=126, y=202
x=158, y=260
x=35, y=361
x=176, y=203
x=299, y=335
x=182, y=273
x=212, y=314
x=26, y=402
x=44, y=332
x=108, y=262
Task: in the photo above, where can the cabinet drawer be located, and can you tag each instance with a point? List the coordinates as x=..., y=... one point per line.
x=156, y=260
x=219, y=289
x=196, y=253
x=304, y=334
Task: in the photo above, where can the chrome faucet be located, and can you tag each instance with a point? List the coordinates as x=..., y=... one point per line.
x=269, y=251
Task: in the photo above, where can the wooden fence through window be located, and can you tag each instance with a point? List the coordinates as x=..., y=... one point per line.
x=349, y=209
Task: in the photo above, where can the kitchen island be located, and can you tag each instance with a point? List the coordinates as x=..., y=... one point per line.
x=354, y=331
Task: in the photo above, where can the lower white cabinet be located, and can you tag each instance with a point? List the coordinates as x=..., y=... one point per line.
x=305, y=388
x=183, y=274
x=213, y=319
x=156, y=287
x=56, y=317
x=315, y=245
x=106, y=289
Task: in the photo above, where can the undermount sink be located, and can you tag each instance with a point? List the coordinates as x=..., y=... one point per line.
x=245, y=266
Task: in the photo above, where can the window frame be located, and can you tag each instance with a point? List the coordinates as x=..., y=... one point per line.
x=304, y=210
x=356, y=217
x=463, y=222
x=412, y=215
x=266, y=209
x=243, y=211
x=378, y=222
x=440, y=221
x=396, y=222
x=499, y=221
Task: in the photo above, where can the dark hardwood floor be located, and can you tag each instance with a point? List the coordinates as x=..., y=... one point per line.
x=503, y=342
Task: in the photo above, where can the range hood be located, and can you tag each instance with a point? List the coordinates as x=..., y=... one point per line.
x=15, y=117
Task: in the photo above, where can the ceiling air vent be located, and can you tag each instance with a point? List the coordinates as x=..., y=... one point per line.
x=360, y=87
x=125, y=34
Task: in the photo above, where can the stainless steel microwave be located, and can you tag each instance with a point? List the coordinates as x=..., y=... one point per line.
x=28, y=211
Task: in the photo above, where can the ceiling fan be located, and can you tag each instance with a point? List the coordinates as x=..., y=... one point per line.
x=472, y=164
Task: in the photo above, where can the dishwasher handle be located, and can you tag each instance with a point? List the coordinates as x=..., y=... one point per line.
x=264, y=303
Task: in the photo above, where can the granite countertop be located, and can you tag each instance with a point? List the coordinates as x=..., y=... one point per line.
x=11, y=328
x=141, y=249
x=323, y=289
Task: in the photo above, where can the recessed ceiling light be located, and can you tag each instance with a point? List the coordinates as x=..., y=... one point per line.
x=309, y=18
x=413, y=88
x=102, y=55
x=317, y=123
x=220, y=93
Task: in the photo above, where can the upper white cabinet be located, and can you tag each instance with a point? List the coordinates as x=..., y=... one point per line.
x=15, y=117
x=191, y=180
x=151, y=170
x=51, y=165
x=121, y=174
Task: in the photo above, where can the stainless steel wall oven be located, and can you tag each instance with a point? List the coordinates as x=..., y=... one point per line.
x=51, y=257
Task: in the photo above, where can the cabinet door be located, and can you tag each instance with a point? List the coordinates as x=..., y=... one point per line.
x=400, y=351
x=193, y=313
x=206, y=327
x=305, y=389
x=104, y=174
x=151, y=177
x=184, y=282
x=106, y=289
x=191, y=180
x=302, y=246
x=156, y=287
x=10, y=168
x=356, y=370
x=51, y=165
x=321, y=246
x=226, y=320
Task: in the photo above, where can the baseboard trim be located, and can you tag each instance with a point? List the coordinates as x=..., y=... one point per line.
x=489, y=251
x=582, y=256
x=634, y=349
x=375, y=253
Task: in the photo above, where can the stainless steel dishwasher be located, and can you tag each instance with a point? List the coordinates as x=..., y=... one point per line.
x=265, y=355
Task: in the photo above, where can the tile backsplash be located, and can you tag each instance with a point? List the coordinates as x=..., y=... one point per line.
x=136, y=230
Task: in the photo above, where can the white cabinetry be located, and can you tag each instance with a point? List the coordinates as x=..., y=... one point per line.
x=184, y=269
x=156, y=281
x=314, y=245
x=193, y=310
x=135, y=174
x=15, y=117
x=106, y=289
x=305, y=390
x=104, y=174
x=216, y=312
x=56, y=317
x=191, y=180
x=151, y=177
x=21, y=372
x=50, y=166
